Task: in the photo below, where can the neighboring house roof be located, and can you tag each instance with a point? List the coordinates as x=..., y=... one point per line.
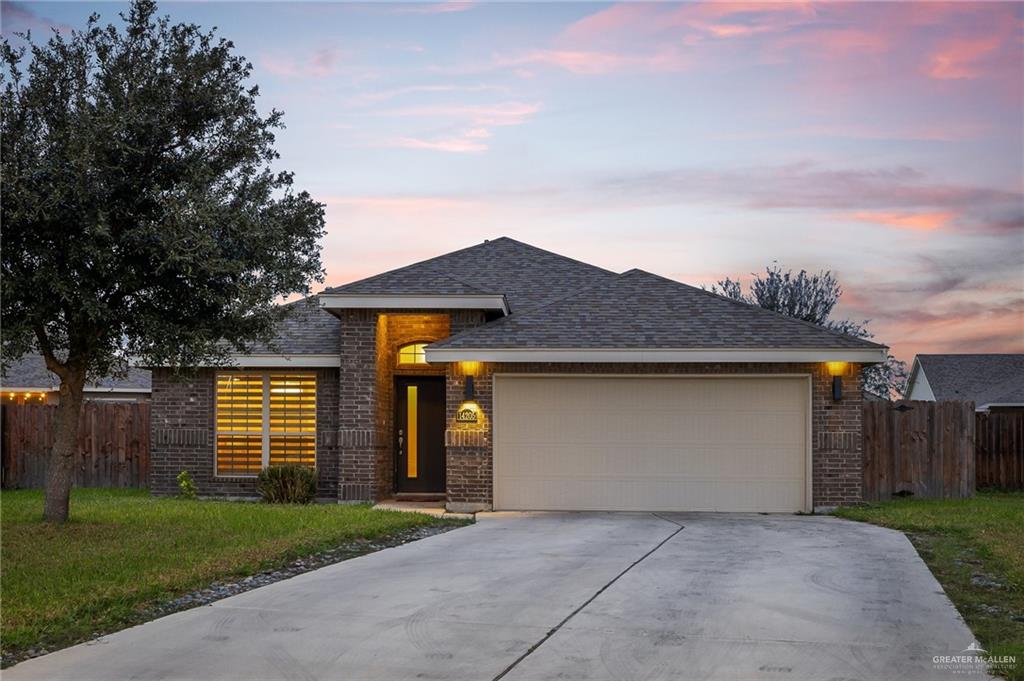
x=526, y=275
x=639, y=310
x=30, y=372
x=996, y=379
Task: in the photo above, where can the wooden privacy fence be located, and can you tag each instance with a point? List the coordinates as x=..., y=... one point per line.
x=113, y=444
x=999, y=451
x=924, y=449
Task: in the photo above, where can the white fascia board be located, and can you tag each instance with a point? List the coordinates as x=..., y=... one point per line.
x=285, y=361
x=483, y=301
x=655, y=355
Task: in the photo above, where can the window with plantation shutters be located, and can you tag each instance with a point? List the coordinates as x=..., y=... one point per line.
x=292, y=419
x=265, y=419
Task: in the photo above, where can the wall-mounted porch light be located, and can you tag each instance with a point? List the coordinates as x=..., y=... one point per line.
x=836, y=371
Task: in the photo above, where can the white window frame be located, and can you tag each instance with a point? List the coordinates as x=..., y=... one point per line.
x=265, y=416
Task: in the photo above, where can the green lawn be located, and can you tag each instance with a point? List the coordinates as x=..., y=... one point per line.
x=975, y=548
x=124, y=551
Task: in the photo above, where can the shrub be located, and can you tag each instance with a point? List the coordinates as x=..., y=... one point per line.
x=186, y=485
x=290, y=484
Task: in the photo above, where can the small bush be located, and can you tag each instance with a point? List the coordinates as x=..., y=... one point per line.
x=186, y=485
x=291, y=484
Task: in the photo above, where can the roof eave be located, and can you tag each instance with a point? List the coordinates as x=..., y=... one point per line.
x=393, y=301
x=657, y=355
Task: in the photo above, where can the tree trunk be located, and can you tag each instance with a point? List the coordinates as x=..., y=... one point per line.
x=60, y=469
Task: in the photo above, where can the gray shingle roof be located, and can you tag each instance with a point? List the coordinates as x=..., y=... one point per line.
x=642, y=310
x=526, y=275
x=30, y=372
x=307, y=329
x=983, y=379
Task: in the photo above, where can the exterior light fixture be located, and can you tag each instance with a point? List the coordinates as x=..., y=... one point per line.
x=470, y=390
x=836, y=371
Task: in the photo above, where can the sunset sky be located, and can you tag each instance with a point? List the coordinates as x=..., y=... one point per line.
x=697, y=141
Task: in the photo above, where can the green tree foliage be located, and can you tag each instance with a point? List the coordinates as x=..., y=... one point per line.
x=142, y=216
x=811, y=298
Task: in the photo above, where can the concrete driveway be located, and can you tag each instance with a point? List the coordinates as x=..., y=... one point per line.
x=568, y=596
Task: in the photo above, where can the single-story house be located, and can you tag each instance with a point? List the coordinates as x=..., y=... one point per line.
x=28, y=381
x=994, y=382
x=504, y=376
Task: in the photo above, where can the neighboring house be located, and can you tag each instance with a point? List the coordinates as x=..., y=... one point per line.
x=508, y=377
x=992, y=382
x=28, y=381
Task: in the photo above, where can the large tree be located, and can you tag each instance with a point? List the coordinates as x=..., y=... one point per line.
x=812, y=297
x=142, y=217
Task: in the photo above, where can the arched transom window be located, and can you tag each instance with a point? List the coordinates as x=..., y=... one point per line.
x=413, y=353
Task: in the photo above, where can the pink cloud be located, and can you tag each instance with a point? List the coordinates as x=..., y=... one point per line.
x=595, y=62
x=434, y=8
x=467, y=143
x=720, y=19
x=18, y=17
x=427, y=89
x=472, y=125
x=320, y=63
x=502, y=114
x=961, y=58
x=924, y=222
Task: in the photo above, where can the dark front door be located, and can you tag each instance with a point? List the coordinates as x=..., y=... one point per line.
x=419, y=434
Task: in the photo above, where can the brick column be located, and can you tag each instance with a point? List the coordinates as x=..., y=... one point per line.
x=837, y=441
x=468, y=455
x=359, y=424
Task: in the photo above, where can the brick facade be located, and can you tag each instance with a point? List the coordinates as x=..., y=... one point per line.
x=369, y=349
x=355, y=407
x=835, y=426
x=183, y=435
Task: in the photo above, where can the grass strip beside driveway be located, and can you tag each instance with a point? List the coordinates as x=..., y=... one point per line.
x=975, y=548
x=124, y=551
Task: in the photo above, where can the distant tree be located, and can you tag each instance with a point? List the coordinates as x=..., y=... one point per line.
x=141, y=216
x=811, y=298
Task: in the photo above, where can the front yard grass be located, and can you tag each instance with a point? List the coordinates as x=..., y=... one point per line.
x=975, y=548
x=124, y=552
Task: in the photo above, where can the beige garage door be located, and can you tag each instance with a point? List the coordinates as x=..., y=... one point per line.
x=650, y=443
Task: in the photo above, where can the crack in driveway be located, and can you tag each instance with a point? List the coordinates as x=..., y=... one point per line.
x=554, y=630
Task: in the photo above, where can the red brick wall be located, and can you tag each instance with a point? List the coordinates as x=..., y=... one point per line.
x=182, y=435
x=835, y=427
